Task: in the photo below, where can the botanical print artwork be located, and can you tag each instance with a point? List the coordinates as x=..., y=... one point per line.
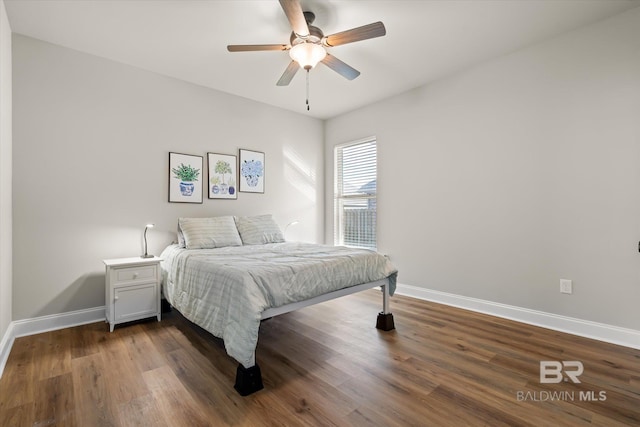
x=252, y=171
x=222, y=176
x=185, y=185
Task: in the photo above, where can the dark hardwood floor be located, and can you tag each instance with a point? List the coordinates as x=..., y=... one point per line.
x=323, y=365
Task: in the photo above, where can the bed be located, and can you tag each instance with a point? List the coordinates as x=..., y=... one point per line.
x=226, y=274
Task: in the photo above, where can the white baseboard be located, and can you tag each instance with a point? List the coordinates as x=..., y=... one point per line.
x=37, y=325
x=584, y=328
x=53, y=322
x=5, y=347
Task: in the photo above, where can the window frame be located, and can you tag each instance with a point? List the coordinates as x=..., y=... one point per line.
x=338, y=199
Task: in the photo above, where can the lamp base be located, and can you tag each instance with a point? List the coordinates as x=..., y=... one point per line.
x=147, y=256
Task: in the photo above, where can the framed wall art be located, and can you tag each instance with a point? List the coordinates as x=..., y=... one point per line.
x=252, y=169
x=223, y=176
x=185, y=178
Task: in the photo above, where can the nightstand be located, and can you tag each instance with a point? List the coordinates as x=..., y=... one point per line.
x=132, y=289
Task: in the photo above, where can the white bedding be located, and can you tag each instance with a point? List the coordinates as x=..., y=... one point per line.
x=225, y=290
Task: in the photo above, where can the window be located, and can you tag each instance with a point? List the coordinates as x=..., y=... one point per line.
x=355, y=194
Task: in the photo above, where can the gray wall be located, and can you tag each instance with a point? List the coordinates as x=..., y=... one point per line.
x=5, y=172
x=497, y=182
x=90, y=161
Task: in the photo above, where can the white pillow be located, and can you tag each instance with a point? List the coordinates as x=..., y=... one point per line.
x=258, y=230
x=209, y=233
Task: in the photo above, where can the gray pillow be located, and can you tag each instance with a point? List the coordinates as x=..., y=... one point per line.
x=209, y=233
x=258, y=230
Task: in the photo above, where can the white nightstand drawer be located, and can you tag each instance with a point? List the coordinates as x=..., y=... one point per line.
x=134, y=274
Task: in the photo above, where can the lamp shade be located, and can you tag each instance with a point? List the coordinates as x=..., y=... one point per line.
x=307, y=55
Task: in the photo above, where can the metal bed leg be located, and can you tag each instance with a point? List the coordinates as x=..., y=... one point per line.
x=385, y=318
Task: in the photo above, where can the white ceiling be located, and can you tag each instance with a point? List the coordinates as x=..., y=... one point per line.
x=187, y=40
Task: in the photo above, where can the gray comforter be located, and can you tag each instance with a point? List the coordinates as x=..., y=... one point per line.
x=225, y=290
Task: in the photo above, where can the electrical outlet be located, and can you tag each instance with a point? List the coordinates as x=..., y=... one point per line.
x=566, y=286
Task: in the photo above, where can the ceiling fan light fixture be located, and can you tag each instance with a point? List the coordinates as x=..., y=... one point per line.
x=307, y=55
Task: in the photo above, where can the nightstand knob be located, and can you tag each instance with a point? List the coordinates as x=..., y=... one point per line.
x=116, y=297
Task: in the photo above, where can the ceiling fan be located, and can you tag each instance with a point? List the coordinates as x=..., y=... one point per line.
x=308, y=44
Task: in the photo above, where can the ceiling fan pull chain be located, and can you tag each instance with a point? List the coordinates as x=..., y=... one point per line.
x=307, y=89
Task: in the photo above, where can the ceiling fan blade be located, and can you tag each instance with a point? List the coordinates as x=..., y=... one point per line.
x=346, y=71
x=255, y=47
x=288, y=74
x=293, y=10
x=365, y=32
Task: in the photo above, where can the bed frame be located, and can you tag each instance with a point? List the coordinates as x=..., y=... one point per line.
x=249, y=380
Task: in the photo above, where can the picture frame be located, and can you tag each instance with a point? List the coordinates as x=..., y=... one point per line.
x=185, y=178
x=223, y=176
x=251, y=171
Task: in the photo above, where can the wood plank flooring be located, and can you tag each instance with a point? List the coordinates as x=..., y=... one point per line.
x=323, y=365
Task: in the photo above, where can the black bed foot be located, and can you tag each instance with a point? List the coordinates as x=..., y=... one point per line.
x=385, y=321
x=248, y=380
